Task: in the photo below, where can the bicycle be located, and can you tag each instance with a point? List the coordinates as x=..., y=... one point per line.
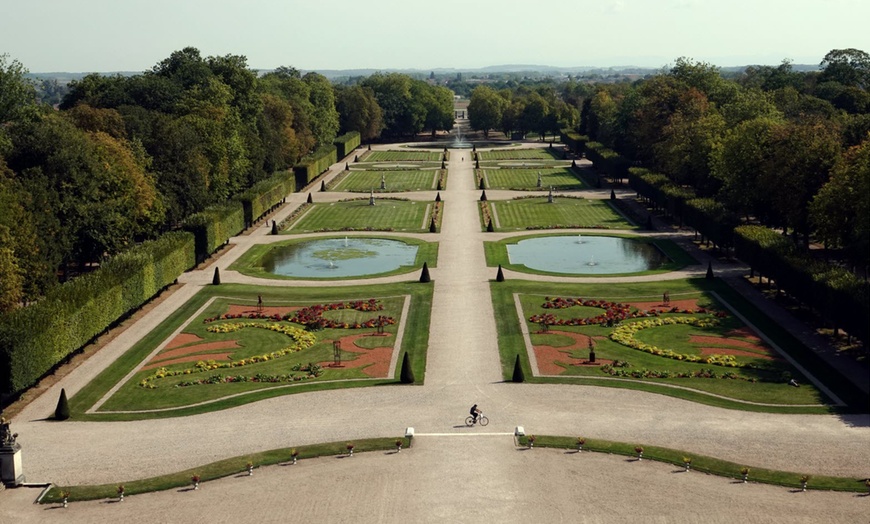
x=481, y=419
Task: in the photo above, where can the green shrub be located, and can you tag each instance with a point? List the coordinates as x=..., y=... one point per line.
x=407, y=374
x=61, y=412
x=263, y=196
x=346, y=143
x=215, y=225
x=312, y=165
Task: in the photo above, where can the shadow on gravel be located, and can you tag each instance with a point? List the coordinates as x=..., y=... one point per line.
x=860, y=420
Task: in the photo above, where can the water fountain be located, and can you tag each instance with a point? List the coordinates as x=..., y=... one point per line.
x=345, y=241
x=579, y=239
x=585, y=255
x=338, y=257
x=592, y=261
x=458, y=141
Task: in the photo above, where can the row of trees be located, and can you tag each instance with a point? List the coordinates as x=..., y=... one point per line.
x=541, y=109
x=125, y=158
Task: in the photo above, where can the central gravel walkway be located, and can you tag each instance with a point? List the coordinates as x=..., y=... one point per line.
x=465, y=476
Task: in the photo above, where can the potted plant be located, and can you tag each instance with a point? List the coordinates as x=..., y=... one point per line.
x=250, y=467
x=293, y=454
x=350, y=447
x=121, y=493
x=398, y=445
x=580, y=442
x=745, y=472
x=65, y=496
x=687, y=461
x=804, y=480
x=532, y=440
x=195, y=480
x=639, y=451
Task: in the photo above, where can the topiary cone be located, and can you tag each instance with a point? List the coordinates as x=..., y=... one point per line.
x=483, y=196
x=443, y=165
x=574, y=163
x=407, y=374
x=61, y=412
x=217, y=277
x=323, y=185
x=519, y=376
x=499, y=277
x=438, y=187
x=612, y=195
x=482, y=185
x=310, y=200
x=438, y=197
x=710, y=275
x=274, y=227
x=432, y=227
x=424, y=275
x=477, y=164
x=489, y=227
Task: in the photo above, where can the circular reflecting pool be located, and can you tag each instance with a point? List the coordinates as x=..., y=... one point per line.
x=587, y=255
x=338, y=257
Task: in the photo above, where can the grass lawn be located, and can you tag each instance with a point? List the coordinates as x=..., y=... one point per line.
x=385, y=215
x=559, y=178
x=520, y=154
x=497, y=254
x=765, y=383
x=250, y=263
x=394, y=180
x=537, y=213
x=248, y=342
x=402, y=156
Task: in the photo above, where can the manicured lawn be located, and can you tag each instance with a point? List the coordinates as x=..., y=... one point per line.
x=402, y=156
x=520, y=154
x=497, y=254
x=764, y=383
x=386, y=215
x=537, y=213
x=394, y=181
x=249, y=342
x=251, y=262
x=559, y=178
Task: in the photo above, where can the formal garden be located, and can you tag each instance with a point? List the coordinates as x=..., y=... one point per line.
x=520, y=154
x=389, y=180
x=541, y=213
x=543, y=178
x=402, y=156
x=376, y=213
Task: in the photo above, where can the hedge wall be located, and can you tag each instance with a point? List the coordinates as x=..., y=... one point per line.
x=214, y=226
x=575, y=141
x=33, y=340
x=312, y=165
x=346, y=143
x=265, y=195
x=615, y=165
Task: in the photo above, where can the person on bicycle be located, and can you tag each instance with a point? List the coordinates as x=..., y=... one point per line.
x=474, y=413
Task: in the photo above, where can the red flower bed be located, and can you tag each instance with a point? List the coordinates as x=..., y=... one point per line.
x=614, y=312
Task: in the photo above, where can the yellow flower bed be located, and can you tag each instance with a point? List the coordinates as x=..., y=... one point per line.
x=624, y=334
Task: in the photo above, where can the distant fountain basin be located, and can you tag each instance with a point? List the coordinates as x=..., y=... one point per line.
x=586, y=255
x=338, y=257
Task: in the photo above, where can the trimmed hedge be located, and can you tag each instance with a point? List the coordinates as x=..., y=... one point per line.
x=612, y=163
x=312, y=165
x=265, y=195
x=33, y=340
x=346, y=143
x=575, y=141
x=215, y=225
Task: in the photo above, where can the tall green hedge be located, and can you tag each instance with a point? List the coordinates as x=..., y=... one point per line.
x=312, y=165
x=575, y=142
x=615, y=165
x=35, y=339
x=346, y=143
x=214, y=226
x=263, y=196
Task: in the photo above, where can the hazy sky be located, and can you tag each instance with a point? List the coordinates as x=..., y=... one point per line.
x=133, y=35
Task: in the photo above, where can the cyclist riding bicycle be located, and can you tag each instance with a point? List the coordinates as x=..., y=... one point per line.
x=474, y=412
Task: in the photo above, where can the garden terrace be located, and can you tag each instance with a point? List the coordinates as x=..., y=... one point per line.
x=395, y=180
x=563, y=212
x=559, y=178
x=357, y=215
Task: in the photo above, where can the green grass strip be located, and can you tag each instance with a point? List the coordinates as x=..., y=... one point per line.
x=216, y=470
x=702, y=463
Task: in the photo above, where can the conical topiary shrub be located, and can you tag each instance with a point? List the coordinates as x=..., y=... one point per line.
x=61, y=412
x=574, y=163
x=438, y=197
x=519, y=376
x=309, y=199
x=710, y=275
x=439, y=187
x=356, y=157
x=612, y=195
x=424, y=275
x=489, y=227
x=483, y=196
x=477, y=164
x=432, y=227
x=499, y=277
x=274, y=227
x=481, y=185
x=443, y=165
x=217, y=276
x=407, y=374
x=323, y=185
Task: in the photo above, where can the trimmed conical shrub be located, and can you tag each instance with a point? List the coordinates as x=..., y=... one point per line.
x=356, y=157
x=309, y=199
x=477, y=164
x=370, y=147
x=323, y=185
x=217, y=277
x=499, y=277
x=438, y=186
x=710, y=275
x=346, y=166
x=274, y=227
x=649, y=224
x=443, y=165
x=432, y=227
x=424, y=275
x=407, y=374
x=438, y=197
x=482, y=185
x=489, y=227
x=519, y=376
x=61, y=412
x=574, y=163
x=483, y=196
x=612, y=195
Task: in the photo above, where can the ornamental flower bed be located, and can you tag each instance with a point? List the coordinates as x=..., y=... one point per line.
x=614, y=312
x=312, y=316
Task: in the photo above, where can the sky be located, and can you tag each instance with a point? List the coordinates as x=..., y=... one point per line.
x=134, y=35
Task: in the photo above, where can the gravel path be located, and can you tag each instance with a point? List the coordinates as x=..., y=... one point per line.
x=463, y=479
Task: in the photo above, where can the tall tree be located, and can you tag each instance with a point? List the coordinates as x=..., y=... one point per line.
x=358, y=110
x=17, y=95
x=850, y=67
x=485, y=109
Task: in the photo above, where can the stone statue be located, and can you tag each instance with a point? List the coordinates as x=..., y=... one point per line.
x=7, y=438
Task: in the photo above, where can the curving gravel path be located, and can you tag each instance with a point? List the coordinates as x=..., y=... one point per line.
x=441, y=478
